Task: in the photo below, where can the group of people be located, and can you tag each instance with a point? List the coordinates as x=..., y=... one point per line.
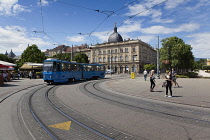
x=170, y=78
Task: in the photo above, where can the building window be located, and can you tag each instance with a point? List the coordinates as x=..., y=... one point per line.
x=112, y=51
x=113, y=58
x=100, y=59
x=94, y=53
x=99, y=52
x=94, y=60
x=126, y=58
x=104, y=59
x=134, y=57
x=108, y=59
x=116, y=58
x=108, y=52
x=104, y=52
x=121, y=58
x=134, y=49
x=121, y=50
x=88, y=55
x=126, y=50
x=115, y=50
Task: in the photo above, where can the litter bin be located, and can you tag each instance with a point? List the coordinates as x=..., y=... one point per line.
x=133, y=75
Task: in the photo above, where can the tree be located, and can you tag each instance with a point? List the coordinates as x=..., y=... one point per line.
x=32, y=54
x=81, y=58
x=199, y=64
x=149, y=67
x=7, y=59
x=177, y=53
x=66, y=56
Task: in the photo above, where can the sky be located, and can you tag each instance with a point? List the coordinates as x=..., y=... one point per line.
x=49, y=23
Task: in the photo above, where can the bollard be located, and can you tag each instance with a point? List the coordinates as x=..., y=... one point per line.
x=133, y=75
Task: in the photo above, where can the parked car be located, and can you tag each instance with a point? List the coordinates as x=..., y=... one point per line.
x=110, y=71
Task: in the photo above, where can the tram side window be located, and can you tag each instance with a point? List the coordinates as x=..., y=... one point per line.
x=98, y=68
x=69, y=67
x=94, y=68
x=64, y=66
x=73, y=67
x=79, y=67
x=58, y=68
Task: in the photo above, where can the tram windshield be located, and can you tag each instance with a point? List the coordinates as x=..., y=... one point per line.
x=48, y=67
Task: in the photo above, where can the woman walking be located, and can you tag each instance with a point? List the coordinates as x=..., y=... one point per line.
x=168, y=84
x=152, y=80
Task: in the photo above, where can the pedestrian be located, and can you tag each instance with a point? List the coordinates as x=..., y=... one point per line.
x=5, y=76
x=169, y=82
x=174, y=77
x=152, y=80
x=145, y=74
x=30, y=75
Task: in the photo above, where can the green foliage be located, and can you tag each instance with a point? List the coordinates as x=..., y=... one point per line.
x=81, y=58
x=177, y=52
x=66, y=56
x=32, y=54
x=188, y=75
x=5, y=58
x=149, y=67
x=206, y=67
x=199, y=64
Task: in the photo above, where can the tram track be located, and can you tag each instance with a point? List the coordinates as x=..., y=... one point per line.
x=183, y=114
x=82, y=127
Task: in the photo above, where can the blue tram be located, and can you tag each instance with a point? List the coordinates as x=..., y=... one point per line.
x=59, y=71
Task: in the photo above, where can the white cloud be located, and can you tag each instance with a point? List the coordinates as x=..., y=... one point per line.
x=76, y=38
x=11, y=7
x=164, y=30
x=144, y=10
x=15, y=38
x=174, y=3
x=201, y=45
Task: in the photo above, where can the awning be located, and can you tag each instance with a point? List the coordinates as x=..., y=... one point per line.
x=26, y=66
x=35, y=64
x=7, y=63
x=3, y=67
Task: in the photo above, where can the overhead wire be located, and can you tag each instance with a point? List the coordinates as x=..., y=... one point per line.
x=139, y=13
x=43, y=27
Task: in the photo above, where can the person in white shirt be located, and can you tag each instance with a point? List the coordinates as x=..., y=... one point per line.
x=145, y=75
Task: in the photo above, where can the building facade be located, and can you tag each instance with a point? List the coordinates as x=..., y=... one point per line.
x=123, y=56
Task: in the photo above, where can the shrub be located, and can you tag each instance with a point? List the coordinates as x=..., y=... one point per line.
x=188, y=75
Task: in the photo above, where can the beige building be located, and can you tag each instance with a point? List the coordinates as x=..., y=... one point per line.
x=208, y=61
x=123, y=56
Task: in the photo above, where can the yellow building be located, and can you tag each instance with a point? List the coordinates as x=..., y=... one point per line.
x=123, y=56
x=208, y=61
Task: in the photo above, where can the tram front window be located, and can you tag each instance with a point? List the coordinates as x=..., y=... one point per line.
x=48, y=67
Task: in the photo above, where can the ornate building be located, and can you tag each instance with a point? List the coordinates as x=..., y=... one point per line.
x=123, y=56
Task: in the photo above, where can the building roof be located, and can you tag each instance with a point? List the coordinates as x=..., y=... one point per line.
x=11, y=54
x=115, y=37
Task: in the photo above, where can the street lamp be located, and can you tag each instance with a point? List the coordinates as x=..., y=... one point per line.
x=158, y=60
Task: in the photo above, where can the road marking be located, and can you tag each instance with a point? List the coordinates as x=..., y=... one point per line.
x=64, y=125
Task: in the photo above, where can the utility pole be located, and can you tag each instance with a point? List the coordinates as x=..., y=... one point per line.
x=158, y=60
x=71, y=53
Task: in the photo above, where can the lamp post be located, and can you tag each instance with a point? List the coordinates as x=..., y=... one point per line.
x=158, y=74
